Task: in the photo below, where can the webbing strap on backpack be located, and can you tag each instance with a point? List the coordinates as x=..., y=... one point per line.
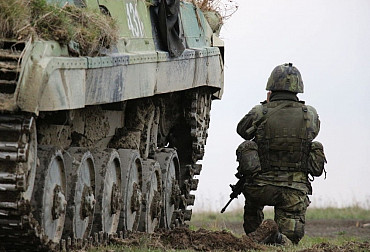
x=264, y=117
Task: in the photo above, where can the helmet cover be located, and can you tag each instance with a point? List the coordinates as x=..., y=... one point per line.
x=285, y=77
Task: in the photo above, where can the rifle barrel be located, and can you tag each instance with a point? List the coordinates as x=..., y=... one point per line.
x=236, y=191
x=227, y=204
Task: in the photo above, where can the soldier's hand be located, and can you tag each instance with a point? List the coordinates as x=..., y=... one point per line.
x=268, y=96
x=238, y=175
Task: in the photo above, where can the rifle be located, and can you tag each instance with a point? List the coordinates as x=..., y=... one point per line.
x=236, y=191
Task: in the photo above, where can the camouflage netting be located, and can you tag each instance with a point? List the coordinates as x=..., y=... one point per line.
x=225, y=8
x=22, y=19
x=216, y=11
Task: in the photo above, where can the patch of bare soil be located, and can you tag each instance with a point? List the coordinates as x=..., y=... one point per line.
x=313, y=228
x=183, y=238
x=335, y=228
x=350, y=246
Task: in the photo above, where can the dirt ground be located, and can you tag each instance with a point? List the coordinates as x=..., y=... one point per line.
x=335, y=228
x=204, y=239
x=316, y=228
x=186, y=239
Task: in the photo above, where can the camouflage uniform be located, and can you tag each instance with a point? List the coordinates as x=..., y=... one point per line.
x=283, y=179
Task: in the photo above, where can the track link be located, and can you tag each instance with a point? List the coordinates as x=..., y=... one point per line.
x=19, y=231
x=198, y=117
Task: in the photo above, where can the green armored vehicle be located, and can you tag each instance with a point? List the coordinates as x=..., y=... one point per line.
x=108, y=142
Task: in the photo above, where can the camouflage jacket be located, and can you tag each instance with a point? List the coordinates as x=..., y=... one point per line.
x=295, y=180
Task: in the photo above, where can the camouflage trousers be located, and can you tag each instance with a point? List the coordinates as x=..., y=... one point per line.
x=290, y=207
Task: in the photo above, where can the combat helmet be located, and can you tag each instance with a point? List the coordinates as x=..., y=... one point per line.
x=285, y=77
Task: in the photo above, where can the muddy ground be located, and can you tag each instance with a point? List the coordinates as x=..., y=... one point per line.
x=186, y=239
x=314, y=228
x=204, y=239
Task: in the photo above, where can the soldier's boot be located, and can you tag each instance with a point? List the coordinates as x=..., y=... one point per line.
x=266, y=233
x=283, y=240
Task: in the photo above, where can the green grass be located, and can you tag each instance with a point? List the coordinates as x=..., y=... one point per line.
x=356, y=213
x=216, y=221
x=90, y=29
x=310, y=242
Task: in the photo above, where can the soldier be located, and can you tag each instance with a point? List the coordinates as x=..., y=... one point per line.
x=282, y=130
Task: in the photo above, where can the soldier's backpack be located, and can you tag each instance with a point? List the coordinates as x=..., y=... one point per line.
x=282, y=137
x=316, y=160
x=247, y=156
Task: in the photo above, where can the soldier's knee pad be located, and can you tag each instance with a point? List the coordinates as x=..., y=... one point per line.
x=297, y=233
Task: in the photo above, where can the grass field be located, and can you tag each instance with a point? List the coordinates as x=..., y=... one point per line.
x=327, y=229
x=329, y=213
x=332, y=226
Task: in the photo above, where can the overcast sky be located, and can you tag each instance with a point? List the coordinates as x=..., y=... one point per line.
x=329, y=42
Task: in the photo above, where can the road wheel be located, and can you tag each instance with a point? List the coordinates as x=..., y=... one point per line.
x=107, y=191
x=50, y=192
x=152, y=196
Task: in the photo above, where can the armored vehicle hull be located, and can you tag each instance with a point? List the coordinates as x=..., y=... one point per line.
x=110, y=143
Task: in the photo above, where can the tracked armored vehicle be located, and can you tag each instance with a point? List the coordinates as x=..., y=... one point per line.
x=108, y=143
